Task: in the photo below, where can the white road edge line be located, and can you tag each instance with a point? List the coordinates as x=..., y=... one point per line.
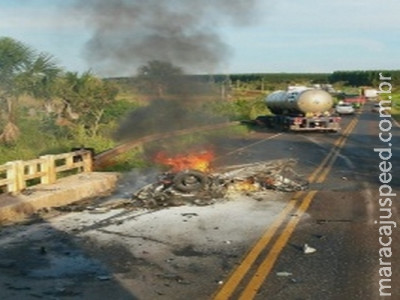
x=248, y=146
x=395, y=122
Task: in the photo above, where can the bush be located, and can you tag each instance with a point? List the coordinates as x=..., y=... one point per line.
x=98, y=142
x=128, y=161
x=118, y=110
x=240, y=109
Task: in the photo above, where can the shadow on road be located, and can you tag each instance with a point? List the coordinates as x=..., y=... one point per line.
x=38, y=261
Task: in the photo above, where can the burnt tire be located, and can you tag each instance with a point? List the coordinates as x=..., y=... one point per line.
x=190, y=181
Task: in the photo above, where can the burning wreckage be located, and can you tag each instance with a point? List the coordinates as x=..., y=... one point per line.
x=190, y=180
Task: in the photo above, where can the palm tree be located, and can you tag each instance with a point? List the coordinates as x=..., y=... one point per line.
x=22, y=70
x=41, y=80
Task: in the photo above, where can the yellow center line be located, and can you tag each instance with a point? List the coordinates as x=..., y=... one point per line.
x=266, y=266
x=336, y=144
x=230, y=285
x=238, y=274
x=336, y=153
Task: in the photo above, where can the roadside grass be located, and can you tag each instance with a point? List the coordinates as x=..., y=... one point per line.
x=41, y=135
x=241, y=108
x=32, y=143
x=396, y=106
x=133, y=159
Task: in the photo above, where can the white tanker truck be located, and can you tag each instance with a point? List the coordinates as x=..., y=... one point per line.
x=300, y=109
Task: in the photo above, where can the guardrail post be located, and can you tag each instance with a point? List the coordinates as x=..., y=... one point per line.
x=20, y=175
x=87, y=161
x=12, y=187
x=48, y=166
x=15, y=173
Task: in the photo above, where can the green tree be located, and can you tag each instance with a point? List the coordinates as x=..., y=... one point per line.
x=85, y=99
x=21, y=71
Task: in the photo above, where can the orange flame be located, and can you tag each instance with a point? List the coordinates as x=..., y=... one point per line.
x=196, y=161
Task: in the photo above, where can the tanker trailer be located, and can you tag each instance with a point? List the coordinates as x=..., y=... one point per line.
x=300, y=109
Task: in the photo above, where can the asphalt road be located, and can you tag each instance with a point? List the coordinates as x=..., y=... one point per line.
x=336, y=218
x=245, y=247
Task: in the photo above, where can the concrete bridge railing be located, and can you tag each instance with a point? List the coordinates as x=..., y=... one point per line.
x=15, y=176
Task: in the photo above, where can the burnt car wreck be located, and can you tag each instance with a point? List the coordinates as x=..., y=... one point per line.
x=191, y=186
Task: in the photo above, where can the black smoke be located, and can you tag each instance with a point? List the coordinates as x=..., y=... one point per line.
x=162, y=116
x=129, y=33
x=182, y=34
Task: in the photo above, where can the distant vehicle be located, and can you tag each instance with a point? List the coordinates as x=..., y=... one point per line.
x=344, y=109
x=357, y=102
x=369, y=93
x=300, y=108
x=378, y=108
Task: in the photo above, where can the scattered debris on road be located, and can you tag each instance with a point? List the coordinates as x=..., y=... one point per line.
x=284, y=274
x=201, y=187
x=308, y=250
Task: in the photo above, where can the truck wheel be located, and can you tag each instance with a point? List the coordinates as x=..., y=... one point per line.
x=190, y=181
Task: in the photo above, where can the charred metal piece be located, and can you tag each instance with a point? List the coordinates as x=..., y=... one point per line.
x=193, y=186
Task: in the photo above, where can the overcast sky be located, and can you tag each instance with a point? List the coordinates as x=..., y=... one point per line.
x=281, y=36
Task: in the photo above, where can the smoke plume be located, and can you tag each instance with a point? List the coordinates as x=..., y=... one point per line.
x=129, y=33
x=173, y=35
